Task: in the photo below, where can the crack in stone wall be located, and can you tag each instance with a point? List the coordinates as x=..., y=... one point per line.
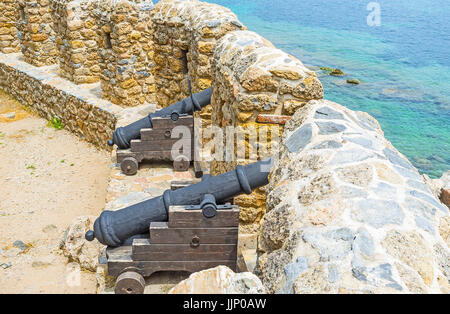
x=252, y=77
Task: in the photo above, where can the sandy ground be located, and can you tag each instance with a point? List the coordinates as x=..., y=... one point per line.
x=47, y=178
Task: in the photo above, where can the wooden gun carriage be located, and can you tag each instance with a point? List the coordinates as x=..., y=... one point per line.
x=194, y=238
x=157, y=144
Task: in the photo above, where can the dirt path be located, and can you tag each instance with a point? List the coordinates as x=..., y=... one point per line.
x=47, y=178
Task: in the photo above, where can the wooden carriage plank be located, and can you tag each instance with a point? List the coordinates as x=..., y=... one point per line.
x=149, y=155
x=146, y=268
x=167, y=252
x=181, y=248
x=162, y=134
x=159, y=122
x=160, y=145
x=121, y=253
x=179, y=217
x=162, y=234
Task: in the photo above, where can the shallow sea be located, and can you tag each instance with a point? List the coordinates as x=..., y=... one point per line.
x=403, y=64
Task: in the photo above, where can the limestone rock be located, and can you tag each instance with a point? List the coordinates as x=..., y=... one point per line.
x=219, y=280
x=434, y=185
x=76, y=248
x=411, y=249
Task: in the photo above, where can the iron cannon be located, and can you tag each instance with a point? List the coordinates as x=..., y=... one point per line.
x=113, y=228
x=123, y=135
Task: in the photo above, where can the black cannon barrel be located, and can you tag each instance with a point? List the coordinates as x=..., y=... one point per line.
x=113, y=228
x=123, y=135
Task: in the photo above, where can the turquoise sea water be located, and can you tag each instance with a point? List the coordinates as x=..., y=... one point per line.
x=404, y=63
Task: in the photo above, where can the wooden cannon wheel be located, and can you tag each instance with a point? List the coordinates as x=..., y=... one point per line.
x=130, y=282
x=129, y=166
x=181, y=163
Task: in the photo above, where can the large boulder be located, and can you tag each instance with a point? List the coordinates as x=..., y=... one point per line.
x=76, y=248
x=348, y=213
x=219, y=280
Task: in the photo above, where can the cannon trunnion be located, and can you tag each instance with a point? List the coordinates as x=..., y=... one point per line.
x=191, y=240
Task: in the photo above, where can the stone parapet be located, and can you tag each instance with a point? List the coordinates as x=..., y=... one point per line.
x=78, y=107
x=9, y=15
x=348, y=213
x=76, y=33
x=36, y=34
x=252, y=77
x=126, y=52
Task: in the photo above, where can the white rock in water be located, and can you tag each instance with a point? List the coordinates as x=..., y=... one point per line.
x=75, y=246
x=219, y=280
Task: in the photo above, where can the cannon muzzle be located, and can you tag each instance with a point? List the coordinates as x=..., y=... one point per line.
x=123, y=135
x=114, y=228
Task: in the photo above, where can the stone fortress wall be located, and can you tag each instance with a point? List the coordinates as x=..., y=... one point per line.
x=254, y=85
x=345, y=211
x=36, y=33
x=348, y=213
x=9, y=14
x=125, y=39
x=77, y=40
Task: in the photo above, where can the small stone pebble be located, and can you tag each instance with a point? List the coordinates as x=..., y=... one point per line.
x=20, y=245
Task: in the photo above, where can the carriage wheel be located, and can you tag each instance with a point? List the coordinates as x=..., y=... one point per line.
x=130, y=282
x=181, y=163
x=129, y=166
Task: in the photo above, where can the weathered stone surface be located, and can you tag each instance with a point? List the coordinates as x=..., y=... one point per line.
x=444, y=229
x=254, y=79
x=360, y=218
x=396, y=159
x=360, y=175
x=76, y=248
x=219, y=280
x=299, y=139
x=38, y=43
x=328, y=113
x=411, y=249
x=411, y=279
x=379, y=213
x=276, y=225
x=327, y=128
x=328, y=144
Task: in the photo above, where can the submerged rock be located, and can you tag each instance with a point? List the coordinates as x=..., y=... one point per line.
x=333, y=71
x=337, y=72
x=354, y=81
